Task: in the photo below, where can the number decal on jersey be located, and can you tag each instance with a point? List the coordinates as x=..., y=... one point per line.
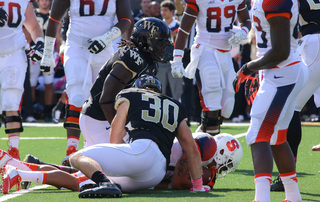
x=263, y=35
x=89, y=4
x=214, y=14
x=156, y=113
x=232, y=145
x=314, y=4
x=14, y=10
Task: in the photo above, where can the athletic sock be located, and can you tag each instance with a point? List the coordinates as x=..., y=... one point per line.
x=291, y=188
x=72, y=141
x=33, y=176
x=14, y=141
x=99, y=177
x=262, y=183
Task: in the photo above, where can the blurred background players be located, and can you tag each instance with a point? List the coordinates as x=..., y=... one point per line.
x=13, y=63
x=283, y=76
x=42, y=15
x=210, y=55
x=143, y=12
x=171, y=86
x=309, y=47
x=88, y=46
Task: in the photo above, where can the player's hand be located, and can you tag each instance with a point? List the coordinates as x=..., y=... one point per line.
x=204, y=188
x=47, y=63
x=37, y=51
x=177, y=69
x=241, y=77
x=100, y=42
x=3, y=17
x=237, y=37
x=251, y=88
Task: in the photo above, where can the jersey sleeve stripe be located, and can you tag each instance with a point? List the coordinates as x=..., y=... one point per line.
x=270, y=15
x=119, y=101
x=193, y=6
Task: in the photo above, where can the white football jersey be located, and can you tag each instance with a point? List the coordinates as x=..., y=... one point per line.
x=214, y=22
x=263, y=9
x=89, y=19
x=12, y=37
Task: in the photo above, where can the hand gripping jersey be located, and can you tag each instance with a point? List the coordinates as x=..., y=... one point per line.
x=12, y=37
x=89, y=19
x=264, y=9
x=215, y=20
x=309, y=16
x=152, y=116
x=132, y=59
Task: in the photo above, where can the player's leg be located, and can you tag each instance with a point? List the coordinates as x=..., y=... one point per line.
x=12, y=79
x=317, y=103
x=48, y=96
x=57, y=109
x=211, y=92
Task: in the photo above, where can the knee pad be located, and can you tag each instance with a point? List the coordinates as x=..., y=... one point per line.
x=72, y=117
x=11, y=99
x=9, y=119
x=227, y=106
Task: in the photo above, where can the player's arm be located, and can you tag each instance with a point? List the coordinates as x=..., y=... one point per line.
x=125, y=23
x=244, y=18
x=188, y=145
x=114, y=83
x=280, y=43
x=58, y=10
x=31, y=24
x=118, y=131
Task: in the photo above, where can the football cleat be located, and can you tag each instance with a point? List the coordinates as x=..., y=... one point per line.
x=104, y=190
x=4, y=158
x=316, y=148
x=87, y=186
x=14, y=152
x=277, y=185
x=65, y=160
x=29, y=159
x=10, y=178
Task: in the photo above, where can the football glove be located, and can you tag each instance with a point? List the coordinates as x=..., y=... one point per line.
x=251, y=88
x=3, y=17
x=241, y=77
x=100, y=42
x=177, y=69
x=48, y=60
x=238, y=36
x=37, y=50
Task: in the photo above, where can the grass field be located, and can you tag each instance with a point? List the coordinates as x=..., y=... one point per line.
x=237, y=186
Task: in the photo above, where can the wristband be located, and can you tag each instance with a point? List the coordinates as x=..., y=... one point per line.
x=48, y=45
x=112, y=34
x=197, y=184
x=178, y=55
x=245, y=29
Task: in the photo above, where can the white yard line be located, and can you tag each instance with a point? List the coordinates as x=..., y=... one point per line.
x=23, y=191
x=37, y=138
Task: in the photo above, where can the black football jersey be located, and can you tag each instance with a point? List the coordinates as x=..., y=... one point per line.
x=309, y=16
x=42, y=19
x=152, y=116
x=132, y=59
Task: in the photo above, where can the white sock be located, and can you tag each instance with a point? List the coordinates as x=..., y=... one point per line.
x=14, y=140
x=291, y=188
x=33, y=176
x=262, y=182
x=16, y=163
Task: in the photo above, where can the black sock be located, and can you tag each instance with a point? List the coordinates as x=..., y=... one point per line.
x=294, y=133
x=99, y=177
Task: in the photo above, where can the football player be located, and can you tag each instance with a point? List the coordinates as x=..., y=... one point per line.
x=283, y=76
x=151, y=141
x=210, y=54
x=219, y=155
x=88, y=46
x=309, y=47
x=13, y=62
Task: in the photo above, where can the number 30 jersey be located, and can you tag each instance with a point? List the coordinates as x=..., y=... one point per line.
x=12, y=37
x=262, y=10
x=215, y=20
x=90, y=18
x=152, y=116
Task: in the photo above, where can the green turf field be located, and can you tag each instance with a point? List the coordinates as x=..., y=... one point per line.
x=238, y=186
